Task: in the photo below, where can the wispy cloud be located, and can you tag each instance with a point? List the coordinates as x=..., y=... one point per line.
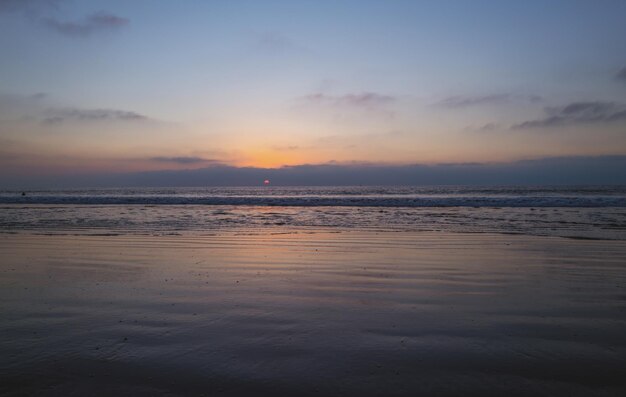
x=55, y=116
x=578, y=113
x=621, y=75
x=274, y=42
x=361, y=100
x=488, y=127
x=40, y=108
x=41, y=11
x=100, y=21
x=463, y=101
x=182, y=159
x=343, y=107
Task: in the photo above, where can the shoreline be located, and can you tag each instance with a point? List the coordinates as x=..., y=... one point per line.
x=296, y=231
x=594, y=223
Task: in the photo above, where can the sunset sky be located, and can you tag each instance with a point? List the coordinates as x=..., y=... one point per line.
x=127, y=86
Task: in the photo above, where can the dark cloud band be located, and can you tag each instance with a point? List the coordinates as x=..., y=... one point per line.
x=461, y=101
x=578, y=113
x=181, y=160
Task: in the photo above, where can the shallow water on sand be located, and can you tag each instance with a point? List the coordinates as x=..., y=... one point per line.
x=120, y=219
x=353, y=313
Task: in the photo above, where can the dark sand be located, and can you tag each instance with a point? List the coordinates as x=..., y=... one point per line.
x=329, y=314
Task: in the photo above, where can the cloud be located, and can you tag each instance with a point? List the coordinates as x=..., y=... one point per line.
x=182, y=160
x=461, y=101
x=621, y=75
x=361, y=100
x=55, y=116
x=39, y=11
x=274, y=42
x=41, y=108
x=488, y=127
x=577, y=113
x=551, y=170
x=342, y=107
x=38, y=96
x=547, y=171
x=100, y=21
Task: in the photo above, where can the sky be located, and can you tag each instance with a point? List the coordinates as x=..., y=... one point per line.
x=93, y=88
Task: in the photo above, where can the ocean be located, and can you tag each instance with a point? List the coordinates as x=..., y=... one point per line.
x=597, y=212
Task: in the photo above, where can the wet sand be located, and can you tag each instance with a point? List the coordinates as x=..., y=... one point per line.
x=330, y=314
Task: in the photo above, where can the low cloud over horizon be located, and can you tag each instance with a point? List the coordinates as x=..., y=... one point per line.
x=573, y=170
x=182, y=159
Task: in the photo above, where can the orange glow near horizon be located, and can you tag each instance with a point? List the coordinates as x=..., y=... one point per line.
x=275, y=159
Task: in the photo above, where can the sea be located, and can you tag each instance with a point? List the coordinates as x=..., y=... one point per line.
x=314, y=291
x=585, y=212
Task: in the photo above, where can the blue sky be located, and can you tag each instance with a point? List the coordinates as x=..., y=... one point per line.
x=117, y=86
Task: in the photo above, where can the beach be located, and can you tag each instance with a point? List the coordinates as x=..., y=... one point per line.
x=312, y=198
x=320, y=311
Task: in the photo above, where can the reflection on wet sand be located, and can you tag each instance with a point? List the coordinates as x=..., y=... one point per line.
x=352, y=313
